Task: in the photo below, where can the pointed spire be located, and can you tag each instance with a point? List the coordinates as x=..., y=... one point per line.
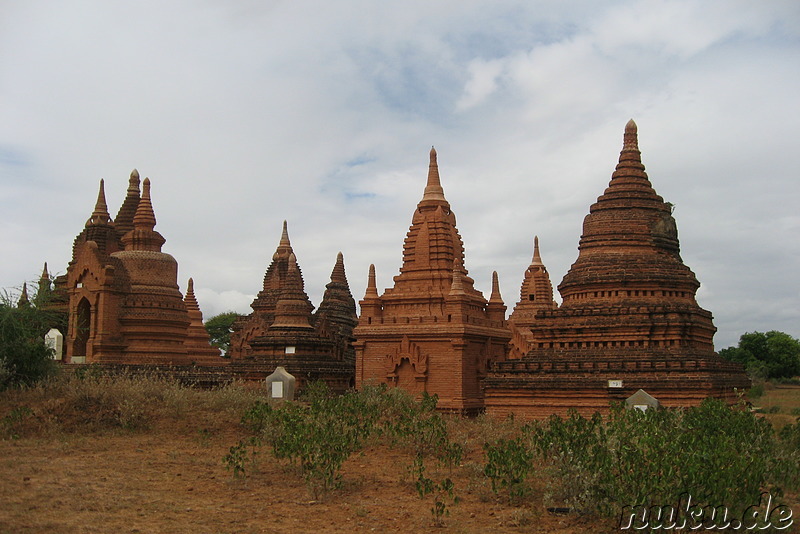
x=457, y=288
x=338, y=275
x=372, y=288
x=143, y=236
x=293, y=309
x=496, y=308
x=285, y=236
x=44, y=283
x=630, y=138
x=284, y=246
x=198, y=343
x=537, y=258
x=495, y=296
x=433, y=189
x=23, y=297
x=190, y=300
x=124, y=219
x=630, y=156
x=294, y=279
x=145, y=216
x=100, y=214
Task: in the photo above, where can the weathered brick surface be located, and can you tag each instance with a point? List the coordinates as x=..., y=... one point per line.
x=282, y=331
x=432, y=331
x=122, y=295
x=628, y=313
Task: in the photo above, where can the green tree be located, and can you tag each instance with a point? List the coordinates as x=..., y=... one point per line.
x=219, y=330
x=775, y=354
x=24, y=357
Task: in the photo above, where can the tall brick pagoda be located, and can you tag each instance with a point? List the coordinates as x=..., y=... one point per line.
x=283, y=331
x=433, y=331
x=124, y=305
x=628, y=321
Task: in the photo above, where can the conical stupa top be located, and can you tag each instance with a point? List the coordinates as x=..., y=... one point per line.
x=45, y=273
x=433, y=189
x=124, y=219
x=495, y=296
x=284, y=246
x=100, y=214
x=294, y=279
x=293, y=309
x=190, y=300
x=537, y=258
x=23, y=296
x=372, y=287
x=630, y=138
x=457, y=288
x=143, y=236
x=338, y=275
x=145, y=216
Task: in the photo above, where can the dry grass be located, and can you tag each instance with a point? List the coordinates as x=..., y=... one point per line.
x=71, y=404
x=144, y=454
x=780, y=403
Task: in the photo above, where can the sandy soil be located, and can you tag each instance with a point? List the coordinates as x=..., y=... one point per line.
x=174, y=480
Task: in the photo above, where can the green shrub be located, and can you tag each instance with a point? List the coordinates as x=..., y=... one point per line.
x=321, y=434
x=716, y=453
x=756, y=391
x=508, y=464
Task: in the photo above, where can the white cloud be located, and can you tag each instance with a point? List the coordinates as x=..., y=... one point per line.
x=244, y=114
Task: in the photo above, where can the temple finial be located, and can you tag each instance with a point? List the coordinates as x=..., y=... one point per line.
x=495, y=296
x=285, y=235
x=630, y=139
x=372, y=287
x=190, y=300
x=537, y=258
x=45, y=273
x=284, y=246
x=100, y=214
x=433, y=188
x=145, y=216
x=23, y=297
x=457, y=288
x=338, y=274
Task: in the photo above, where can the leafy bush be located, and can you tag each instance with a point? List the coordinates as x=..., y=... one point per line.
x=757, y=391
x=24, y=357
x=321, y=434
x=508, y=464
x=718, y=454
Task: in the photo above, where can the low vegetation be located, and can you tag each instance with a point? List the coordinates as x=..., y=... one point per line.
x=590, y=467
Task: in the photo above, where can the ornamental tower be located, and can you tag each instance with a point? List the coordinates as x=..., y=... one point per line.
x=432, y=331
x=628, y=321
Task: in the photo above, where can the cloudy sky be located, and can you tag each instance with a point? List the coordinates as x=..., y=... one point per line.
x=246, y=113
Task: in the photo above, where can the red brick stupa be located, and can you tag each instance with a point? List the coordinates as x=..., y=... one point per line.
x=628, y=321
x=124, y=303
x=433, y=331
x=283, y=331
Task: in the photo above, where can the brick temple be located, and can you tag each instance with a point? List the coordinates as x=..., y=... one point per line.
x=283, y=331
x=628, y=319
x=432, y=331
x=121, y=292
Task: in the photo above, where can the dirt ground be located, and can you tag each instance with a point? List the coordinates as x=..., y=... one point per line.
x=83, y=476
x=175, y=481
